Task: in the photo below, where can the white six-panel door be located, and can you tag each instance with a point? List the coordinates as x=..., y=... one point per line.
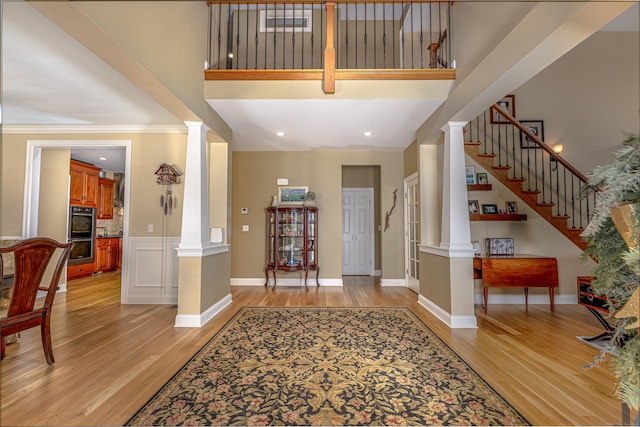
x=357, y=231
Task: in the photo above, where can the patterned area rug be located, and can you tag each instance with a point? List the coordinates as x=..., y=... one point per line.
x=326, y=366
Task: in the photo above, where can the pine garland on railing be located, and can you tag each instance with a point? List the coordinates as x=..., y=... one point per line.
x=617, y=274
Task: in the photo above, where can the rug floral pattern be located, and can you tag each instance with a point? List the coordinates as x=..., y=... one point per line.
x=326, y=366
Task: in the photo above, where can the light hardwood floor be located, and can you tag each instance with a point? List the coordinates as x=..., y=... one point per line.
x=111, y=358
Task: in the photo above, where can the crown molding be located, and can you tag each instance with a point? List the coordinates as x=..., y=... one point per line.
x=42, y=129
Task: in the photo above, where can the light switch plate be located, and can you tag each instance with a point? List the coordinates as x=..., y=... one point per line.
x=245, y=228
x=244, y=211
x=283, y=181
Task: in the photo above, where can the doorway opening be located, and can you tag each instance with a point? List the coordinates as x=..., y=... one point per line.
x=32, y=220
x=360, y=220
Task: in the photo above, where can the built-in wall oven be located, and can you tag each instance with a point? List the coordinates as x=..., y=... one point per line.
x=82, y=231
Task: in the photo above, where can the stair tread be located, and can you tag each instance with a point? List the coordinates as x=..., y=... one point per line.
x=486, y=155
x=560, y=217
x=501, y=167
x=472, y=143
x=516, y=179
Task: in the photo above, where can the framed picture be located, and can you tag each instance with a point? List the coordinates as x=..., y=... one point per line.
x=494, y=246
x=507, y=103
x=512, y=207
x=482, y=178
x=474, y=207
x=470, y=172
x=292, y=195
x=535, y=127
x=490, y=209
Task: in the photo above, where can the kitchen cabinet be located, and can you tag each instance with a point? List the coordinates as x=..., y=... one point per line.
x=84, y=184
x=80, y=270
x=105, y=198
x=107, y=253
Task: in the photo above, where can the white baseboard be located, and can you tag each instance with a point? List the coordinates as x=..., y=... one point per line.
x=286, y=281
x=454, y=322
x=199, y=320
x=247, y=282
x=393, y=282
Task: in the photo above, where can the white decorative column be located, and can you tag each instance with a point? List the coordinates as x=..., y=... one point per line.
x=446, y=269
x=456, y=235
x=203, y=268
x=194, y=238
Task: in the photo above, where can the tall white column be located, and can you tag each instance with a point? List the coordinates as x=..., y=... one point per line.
x=456, y=235
x=194, y=239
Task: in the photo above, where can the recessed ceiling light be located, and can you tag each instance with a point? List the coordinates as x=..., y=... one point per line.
x=280, y=133
x=368, y=133
x=102, y=158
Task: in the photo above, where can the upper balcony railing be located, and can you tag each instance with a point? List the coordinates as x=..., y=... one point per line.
x=310, y=38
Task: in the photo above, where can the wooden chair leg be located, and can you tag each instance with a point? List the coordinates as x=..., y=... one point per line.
x=45, y=331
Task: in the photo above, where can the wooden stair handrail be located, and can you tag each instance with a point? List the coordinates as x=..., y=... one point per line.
x=541, y=143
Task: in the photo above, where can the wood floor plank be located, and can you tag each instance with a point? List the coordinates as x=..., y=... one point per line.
x=111, y=358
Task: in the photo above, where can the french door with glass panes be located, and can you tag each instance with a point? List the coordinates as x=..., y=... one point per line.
x=412, y=232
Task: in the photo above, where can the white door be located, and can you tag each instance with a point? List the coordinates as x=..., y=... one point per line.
x=357, y=233
x=412, y=233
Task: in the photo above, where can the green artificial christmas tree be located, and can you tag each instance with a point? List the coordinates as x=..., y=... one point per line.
x=613, y=238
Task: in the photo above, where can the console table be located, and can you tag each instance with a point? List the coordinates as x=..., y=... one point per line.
x=516, y=271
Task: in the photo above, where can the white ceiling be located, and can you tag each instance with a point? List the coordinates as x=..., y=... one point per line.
x=50, y=79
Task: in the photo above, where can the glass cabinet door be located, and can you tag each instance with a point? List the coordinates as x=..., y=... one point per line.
x=291, y=237
x=271, y=237
x=311, y=225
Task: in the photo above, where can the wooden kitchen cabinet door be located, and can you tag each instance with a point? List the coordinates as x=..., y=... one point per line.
x=105, y=201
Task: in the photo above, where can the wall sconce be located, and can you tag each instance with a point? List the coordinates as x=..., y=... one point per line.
x=556, y=149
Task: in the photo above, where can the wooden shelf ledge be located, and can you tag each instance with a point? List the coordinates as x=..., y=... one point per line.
x=479, y=187
x=497, y=217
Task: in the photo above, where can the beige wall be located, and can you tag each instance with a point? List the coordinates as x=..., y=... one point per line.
x=215, y=279
x=219, y=186
x=587, y=98
x=411, y=159
x=254, y=183
x=435, y=279
x=54, y=194
x=147, y=153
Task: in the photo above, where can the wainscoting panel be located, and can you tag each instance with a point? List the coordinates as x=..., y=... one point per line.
x=152, y=271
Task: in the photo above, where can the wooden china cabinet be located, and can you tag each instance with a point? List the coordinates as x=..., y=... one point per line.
x=292, y=241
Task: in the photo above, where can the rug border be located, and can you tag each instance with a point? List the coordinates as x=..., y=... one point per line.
x=243, y=308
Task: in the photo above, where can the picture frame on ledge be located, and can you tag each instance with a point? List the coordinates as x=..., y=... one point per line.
x=470, y=173
x=490, y=209
x=482, y=178
x=536, y=127
x=511, y=207
x=292, y=195
x=474, y=207
x=501, y=246
x=508, y=103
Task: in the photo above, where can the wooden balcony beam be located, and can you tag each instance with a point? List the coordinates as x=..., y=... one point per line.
x=340, y=74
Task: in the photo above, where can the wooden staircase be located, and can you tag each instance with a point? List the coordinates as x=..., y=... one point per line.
x=550, y=172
